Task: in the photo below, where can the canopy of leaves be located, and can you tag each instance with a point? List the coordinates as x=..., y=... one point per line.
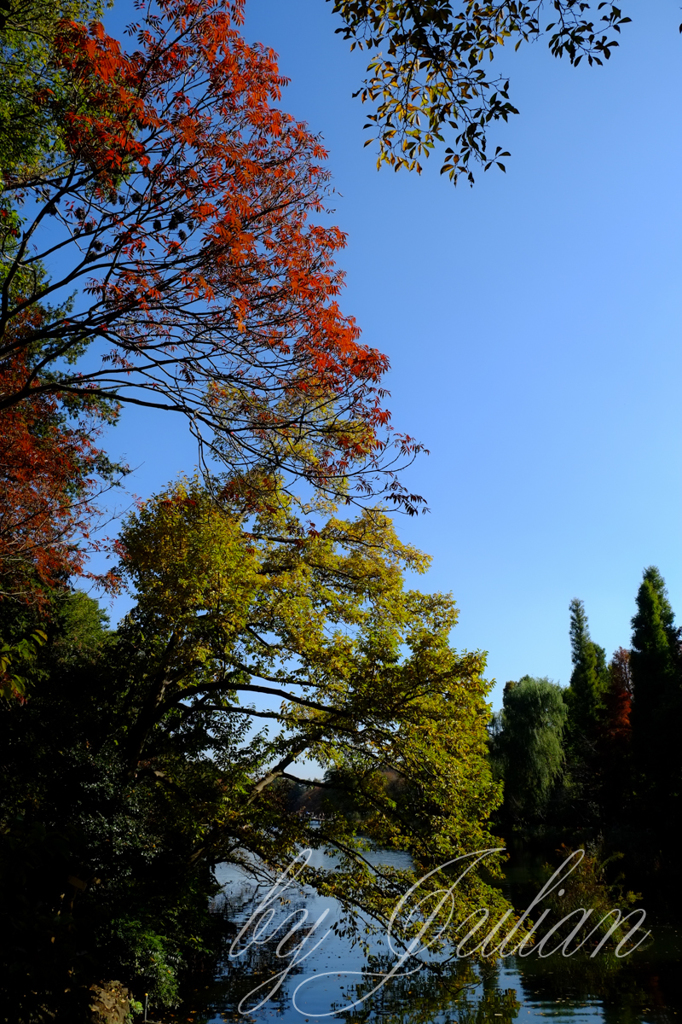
x=429, y=75
x=657, y=695
x=530, y=743
x=143, y=763
x=178, y=201
x=318, y=619
x=589, y=680
x=50, y=475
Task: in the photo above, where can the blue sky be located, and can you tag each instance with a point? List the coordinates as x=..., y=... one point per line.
x=533, y=327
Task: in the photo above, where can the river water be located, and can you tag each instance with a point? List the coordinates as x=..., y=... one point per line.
x=327, y=979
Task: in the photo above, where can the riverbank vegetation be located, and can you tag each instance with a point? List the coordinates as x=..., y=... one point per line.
x=597, y=764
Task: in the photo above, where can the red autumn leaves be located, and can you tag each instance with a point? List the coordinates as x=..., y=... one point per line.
x=50, y=476
x=177, y=203
x=183, y=207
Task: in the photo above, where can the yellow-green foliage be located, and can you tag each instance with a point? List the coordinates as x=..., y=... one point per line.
x=31, y=83
x=242, y=617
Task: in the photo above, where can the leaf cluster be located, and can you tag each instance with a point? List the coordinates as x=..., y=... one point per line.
x=428, y=75
x=32, y=88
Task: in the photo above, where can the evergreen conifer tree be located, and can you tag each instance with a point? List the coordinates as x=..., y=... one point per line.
x=585, y=697
x=657, y=703
x=589, y=680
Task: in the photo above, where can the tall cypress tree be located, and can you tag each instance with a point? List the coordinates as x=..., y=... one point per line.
x=585, y=700
x=589, y=680
x=657, y=697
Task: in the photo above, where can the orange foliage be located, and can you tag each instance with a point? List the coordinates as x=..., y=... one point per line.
x=50, y=475
x=616, y=728
x=182, y=209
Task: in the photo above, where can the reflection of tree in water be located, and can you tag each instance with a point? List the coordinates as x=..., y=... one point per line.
x=237, y=977
x=629, y=990
x=455, y=993
x=256, y=964
x=626, y=991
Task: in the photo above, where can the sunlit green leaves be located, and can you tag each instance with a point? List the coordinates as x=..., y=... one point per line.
x=243, y=617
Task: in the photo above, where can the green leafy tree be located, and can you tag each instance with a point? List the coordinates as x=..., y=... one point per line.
x=316, y=619
x=586, y=698
x=529, y=746
x=154, y=753
x=32, y=86
x=653, y=660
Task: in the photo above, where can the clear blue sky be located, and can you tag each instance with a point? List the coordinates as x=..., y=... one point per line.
x=533, y=326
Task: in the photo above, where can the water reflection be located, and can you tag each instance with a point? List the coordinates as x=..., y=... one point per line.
x=331, y=980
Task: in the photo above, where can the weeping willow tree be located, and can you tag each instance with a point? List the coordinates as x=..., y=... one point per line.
x=529, y=744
